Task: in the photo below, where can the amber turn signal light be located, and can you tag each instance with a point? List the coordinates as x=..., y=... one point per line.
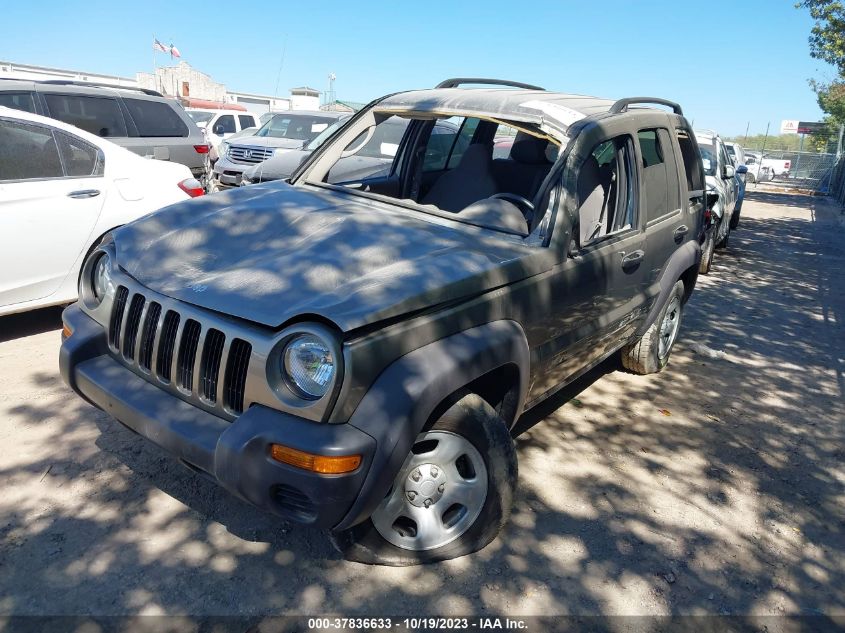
x=323, y=464
x=66, y=332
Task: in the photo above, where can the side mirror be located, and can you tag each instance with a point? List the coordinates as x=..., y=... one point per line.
x=742, y=170
x=219, y=129
x=728, y=172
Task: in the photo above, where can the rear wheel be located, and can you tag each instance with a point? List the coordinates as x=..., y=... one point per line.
x=450, y=498
x=651, y=353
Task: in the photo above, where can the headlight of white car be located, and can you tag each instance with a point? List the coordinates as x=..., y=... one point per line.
x=101, y=277
x=224, y=149
x=308, y=365
x=280, y=150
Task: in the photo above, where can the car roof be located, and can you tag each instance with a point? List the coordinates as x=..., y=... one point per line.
x=560, y=110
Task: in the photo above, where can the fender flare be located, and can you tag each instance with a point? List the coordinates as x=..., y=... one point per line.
x=402, y=399
x=686, y=257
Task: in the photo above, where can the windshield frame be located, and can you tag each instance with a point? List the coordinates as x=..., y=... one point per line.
x=200, y=116
x=313, y=171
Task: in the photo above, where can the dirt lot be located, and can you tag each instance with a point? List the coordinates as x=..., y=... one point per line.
x=715, y=487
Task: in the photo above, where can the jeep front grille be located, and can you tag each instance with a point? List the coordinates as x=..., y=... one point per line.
x=178, y=352
x=251, y=155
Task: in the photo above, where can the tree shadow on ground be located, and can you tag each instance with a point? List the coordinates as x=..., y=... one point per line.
x=715, y=487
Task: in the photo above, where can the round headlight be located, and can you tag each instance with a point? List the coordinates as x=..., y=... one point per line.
x=308, y=365
x=101, y=277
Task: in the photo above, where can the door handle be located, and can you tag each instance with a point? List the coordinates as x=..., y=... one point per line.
x=84, y=193
x=680, y=232
x=632, y=260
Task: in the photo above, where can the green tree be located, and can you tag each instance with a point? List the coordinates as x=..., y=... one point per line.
x=827, y=39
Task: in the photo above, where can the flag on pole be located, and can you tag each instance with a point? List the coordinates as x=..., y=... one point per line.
x=158, y=46
x=174, y=52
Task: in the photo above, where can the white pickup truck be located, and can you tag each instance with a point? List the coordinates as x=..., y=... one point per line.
x=777, y=166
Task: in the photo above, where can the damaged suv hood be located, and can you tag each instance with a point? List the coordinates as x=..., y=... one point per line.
x=267, y=253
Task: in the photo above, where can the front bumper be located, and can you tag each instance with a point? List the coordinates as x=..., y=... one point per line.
x=229, y=173
x=234, y=454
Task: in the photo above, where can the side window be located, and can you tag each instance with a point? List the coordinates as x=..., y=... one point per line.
x=371, y=153
x=18, y=100
x=225, y=124
x=723, y=158
x=605, y=191
x=462, y=141
x=100, y=116
x=81, y=159
x=655, y=174
x=28, y=152
x=155, y=118
x=439, y=145
x=448, y=142
x=691, y=161
x=246, y=121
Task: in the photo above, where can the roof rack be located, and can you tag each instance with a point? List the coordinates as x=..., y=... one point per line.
x=71, y=82
x=622, y=104
x=458, y=81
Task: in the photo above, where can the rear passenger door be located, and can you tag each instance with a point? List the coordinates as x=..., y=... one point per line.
x=667, y=227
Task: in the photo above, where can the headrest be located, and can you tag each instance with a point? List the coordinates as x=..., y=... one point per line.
x=476, y=158
x=529, y=149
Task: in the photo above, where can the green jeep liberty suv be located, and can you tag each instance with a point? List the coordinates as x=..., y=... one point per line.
x=353, y=355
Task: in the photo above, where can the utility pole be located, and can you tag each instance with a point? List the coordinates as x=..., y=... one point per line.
x=745, y=140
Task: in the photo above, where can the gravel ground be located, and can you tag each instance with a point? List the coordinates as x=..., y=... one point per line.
x=715, y=487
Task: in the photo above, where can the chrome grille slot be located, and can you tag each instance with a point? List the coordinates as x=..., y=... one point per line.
x=188, y=354
x=235, y=378
x=242, y=154
x=194, y=355
x=212, y=355
x=117, y=315
x=133, y=322
x=167, y=344
x=145, y=354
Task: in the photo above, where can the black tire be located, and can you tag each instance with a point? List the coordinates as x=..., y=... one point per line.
x=707, y=252
x=643, y=356
x=750, y=178
x=474, y=420
x=734, y=225
x=723, y=243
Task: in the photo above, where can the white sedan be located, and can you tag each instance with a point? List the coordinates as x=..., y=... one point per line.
x=61, y=191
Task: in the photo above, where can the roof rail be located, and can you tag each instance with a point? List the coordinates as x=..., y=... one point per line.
x=457, y=81
x=622, y=104
x=71, y=82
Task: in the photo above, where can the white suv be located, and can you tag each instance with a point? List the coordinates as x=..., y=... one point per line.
x=219, y=125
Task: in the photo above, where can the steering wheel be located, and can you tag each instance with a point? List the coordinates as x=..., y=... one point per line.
x=523, y=204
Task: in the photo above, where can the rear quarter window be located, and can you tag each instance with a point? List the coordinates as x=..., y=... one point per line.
x=18, y=100
x=154, y=118
x=100, y=116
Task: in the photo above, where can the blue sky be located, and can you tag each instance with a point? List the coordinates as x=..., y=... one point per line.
x=727, y=62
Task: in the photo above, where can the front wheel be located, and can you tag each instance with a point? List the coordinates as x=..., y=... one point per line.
x=450, y=498
x=651, y=352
